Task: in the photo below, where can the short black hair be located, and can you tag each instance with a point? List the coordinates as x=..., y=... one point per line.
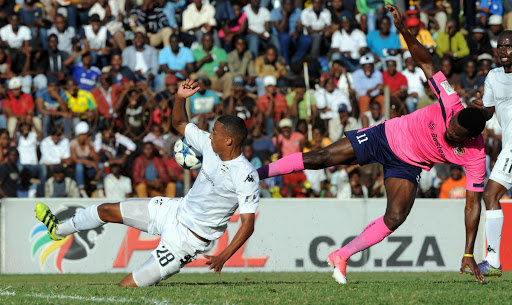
x=235, y=127
x=13, y=150
x=473, y=120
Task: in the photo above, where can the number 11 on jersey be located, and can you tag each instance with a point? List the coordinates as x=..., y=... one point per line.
x=362, y=138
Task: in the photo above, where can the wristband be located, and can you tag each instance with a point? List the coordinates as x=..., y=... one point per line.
x=468, y=255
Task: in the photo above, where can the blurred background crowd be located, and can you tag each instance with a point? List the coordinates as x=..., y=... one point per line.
x=87, y=87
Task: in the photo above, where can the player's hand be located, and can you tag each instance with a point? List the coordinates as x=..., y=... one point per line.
x=216, y=263
x=477, y=102
x=397, y=17
x=469, y=262
x=188, y=88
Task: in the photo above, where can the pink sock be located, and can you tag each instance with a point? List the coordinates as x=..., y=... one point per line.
x=289, y=164
x=373, y=234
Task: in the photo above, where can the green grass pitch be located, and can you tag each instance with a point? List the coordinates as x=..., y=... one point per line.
x=259, y=288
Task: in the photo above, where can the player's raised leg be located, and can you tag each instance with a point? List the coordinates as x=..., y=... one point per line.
x=401, y=194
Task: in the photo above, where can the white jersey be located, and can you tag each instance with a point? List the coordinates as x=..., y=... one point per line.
x=498, y=94
x=220, y=188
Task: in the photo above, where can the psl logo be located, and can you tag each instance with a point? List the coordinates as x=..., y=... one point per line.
x=73, y=247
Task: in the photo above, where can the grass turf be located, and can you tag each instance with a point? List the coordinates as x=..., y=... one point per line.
x=258, y=288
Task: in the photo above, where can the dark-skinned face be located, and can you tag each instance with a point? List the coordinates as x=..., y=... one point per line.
x=375, y=111
x=138, y=40
x=72, y=87
x=218, y=136
x=53, y=43
x=61, y=24
x=446, y=67
x=207, y=42
x=271, y=55
x=470, y=68
x=385, y=25
x=455, y=133
x=391, y=65
x=317, y=5
x=175, y=44
x=240, y=46
x=116, y=62
x=504, y=50
x=450, y=28
x=415, y=30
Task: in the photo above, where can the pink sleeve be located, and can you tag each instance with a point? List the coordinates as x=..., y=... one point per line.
x=448, y=97
x=475, y=174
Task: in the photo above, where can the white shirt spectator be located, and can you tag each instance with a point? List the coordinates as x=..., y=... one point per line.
x=100, y=10
x=193, y=18
x=117, y=188
x=95, y=40
x=309, y=18
x=352, y=42
x=371, y=120
x=27, y=147
x=14, y=40
x=415, y=81
x=333, y=101
x=52, y=153
x=345, y=82
x=256, y=22
x=120, y=140
x=65, y=38
x=140, y=63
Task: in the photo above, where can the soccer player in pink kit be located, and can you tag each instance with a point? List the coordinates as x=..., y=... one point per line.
x=444, y=132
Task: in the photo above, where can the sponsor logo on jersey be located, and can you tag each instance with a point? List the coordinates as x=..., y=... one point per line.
x=431, y=125
x=249, y=178
x=224, y=168
x=447, y=87
x=251, y=198
x=73, y=247
x=459, y=151
x=438, y=144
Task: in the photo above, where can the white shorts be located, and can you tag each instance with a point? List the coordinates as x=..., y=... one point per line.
x=502, y=170
x=177, y=247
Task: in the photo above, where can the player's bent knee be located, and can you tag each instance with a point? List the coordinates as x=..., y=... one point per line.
x=394, y=220
x=491, y=200
x=110, y=212
x=160, y=266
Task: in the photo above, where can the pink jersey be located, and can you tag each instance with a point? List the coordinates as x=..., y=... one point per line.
x=418, y=138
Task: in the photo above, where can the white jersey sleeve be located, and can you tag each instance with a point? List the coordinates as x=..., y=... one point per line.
x=488, y=98
x=248, y=192
x=196, y=137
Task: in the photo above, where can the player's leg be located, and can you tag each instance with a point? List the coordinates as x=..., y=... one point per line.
x=493, y=222
x=401, y=194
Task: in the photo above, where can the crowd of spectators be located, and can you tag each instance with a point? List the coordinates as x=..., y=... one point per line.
x=87, y=87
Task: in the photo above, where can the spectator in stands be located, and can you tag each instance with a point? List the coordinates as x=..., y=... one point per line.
x=288, y=141
x=272, y=104
x=27, y=144
x=262, y=145
x=171, y=9
x=111, y=16
x=317, y=21
x=348, y=44
x=199, y=18
x=150, y=177
x=328, y=100
x=383, y=43
x=478, y=42
x=343, y=123
x=317, y=178
x=496, y=26
x=120, y=73
x=368, y=83
x=10, y=175
x=55, y=150
x=137, y=116
x=294, y=185
x=96, y=38
x=174, y=60
x=85, y=158
x=339, y=10
x=452, y=43
x=51, y=105
x=19, y=106
x=240, y=104
x=432, y=11
x=248, y=152
x=15, y=36
x=142, y=59
x=59, y=61
x=155, y=136
x=107, y=98
x=373, y=116
x=270, y=64
x=5, y=143
x=34, y=69
x=287, y=29
x=5, y=67
x=177, y=176
x=60, y=186
x=117, y=186
x=213, y=61
x=113, y=147
x=234, y=28
x=297, y=101
x=165, y=100
x=452, y=77
x=6, y=10
x=149, y=19
x=241, y=63
x=428, y=98
x=32, y=15
x=484, y=64
x=81, y=103
x=471, y=82
x=415, y=82
x=455, y=186
x=66, y=35
x=395, y=80
x=424, y=37
x=205, y=101
x=258, y=33
x=85, y=74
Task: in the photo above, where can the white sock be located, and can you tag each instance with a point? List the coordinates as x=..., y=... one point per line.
x=493, y=225
x=84, y=220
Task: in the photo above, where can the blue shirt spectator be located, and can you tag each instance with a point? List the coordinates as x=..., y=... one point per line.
x=175, y=62
x=383, y=39
x=86, y=78
x=203, y=102
x=49, y=102
x=362, y=82
x=293, y=19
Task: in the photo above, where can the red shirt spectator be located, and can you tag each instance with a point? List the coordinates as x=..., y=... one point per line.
x=279, y=105
x=294, y=185
x=20, y=106
x=104, y=92
x=392, y=78
x=139, y=169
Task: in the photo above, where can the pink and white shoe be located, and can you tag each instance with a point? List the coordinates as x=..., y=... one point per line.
x=340, y=267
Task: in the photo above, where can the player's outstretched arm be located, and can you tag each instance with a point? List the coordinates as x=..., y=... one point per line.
x=418, y=51
x=472, y=218
x=244, y=232
x=179, y=113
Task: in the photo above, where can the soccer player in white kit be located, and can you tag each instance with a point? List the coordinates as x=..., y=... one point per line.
x=187, y=225
x=498, y=99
